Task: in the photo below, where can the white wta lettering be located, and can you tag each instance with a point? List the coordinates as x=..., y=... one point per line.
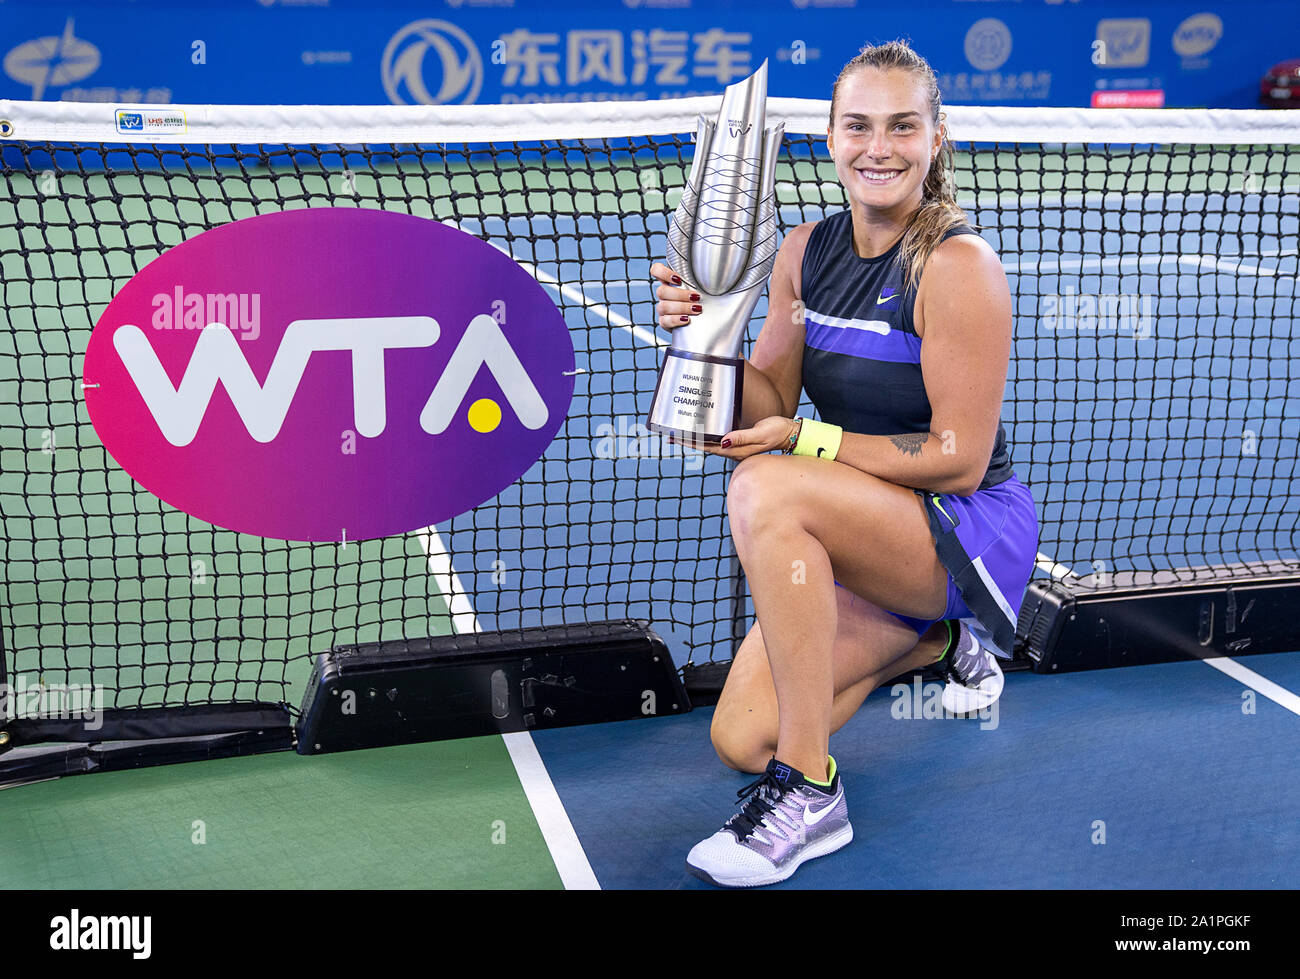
x=262, y=408
x=483, y=345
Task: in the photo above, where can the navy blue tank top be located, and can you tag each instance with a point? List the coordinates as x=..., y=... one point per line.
x=862, y=357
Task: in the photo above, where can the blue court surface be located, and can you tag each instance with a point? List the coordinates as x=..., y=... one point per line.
x=1184, y=772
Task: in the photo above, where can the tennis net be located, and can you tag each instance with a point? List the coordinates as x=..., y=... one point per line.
x=1152, y=405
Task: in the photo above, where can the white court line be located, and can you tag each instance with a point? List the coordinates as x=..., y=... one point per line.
x=1222, y=265
x=1154, y=202
x=1224, y=664
x=1247, y=677
x=1008, y=200
x=566, y=850
x=1046, y=265
x=561, y=840
x=33, y=781
x=1057, y=571
x=1040, y=264
x=463, y=618
x=578, y=296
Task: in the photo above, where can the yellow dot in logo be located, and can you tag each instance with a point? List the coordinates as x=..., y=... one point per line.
x=484, y=415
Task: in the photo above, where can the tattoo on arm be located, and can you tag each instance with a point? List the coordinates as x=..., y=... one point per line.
x=910, y=443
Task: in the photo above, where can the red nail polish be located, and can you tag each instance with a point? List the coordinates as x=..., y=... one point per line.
x=686, y=319
x=726, y=443
x=677, y=280
x=697, y=309
x=695, y=297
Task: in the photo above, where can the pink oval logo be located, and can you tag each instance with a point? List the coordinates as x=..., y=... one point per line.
x=329, y=374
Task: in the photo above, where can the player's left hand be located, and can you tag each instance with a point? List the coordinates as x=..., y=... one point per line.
x=771, y=433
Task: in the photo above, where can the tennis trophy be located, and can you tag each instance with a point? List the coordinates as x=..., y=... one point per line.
x=722, y=243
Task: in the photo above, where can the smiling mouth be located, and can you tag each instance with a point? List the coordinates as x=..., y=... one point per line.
x=879, y=176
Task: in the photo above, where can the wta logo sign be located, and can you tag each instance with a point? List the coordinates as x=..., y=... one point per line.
x=329, y=374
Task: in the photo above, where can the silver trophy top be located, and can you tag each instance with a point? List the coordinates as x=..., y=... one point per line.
x=722, y=239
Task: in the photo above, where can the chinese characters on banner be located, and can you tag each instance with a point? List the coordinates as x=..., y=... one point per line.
x=669, y=60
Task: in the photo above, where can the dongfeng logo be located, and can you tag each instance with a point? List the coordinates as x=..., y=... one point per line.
x=391, y=372
x=456, y=68
x=739, y=127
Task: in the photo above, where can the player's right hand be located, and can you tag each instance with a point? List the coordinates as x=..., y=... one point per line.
x=677, y=302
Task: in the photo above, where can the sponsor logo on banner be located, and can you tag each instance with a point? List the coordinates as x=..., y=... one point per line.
x=142, y=121
x=1149, y=98
x=60, y=62
x=988, y=48
x=549, y=66
x=52, y=61
x=329, y=374
x=988, y=44
x=1127, y=42
x=109, y=93
x=1196, y=37
x=995, y=86
x=327, y=57
x=431, y=62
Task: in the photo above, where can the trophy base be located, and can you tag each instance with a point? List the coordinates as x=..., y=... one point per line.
x=697, y=398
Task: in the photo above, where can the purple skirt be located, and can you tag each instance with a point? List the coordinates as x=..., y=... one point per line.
x=988, y=542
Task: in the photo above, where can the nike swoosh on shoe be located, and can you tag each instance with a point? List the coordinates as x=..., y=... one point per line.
x=811, y=818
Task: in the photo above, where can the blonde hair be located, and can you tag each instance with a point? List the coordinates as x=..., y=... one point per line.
x=939, y=211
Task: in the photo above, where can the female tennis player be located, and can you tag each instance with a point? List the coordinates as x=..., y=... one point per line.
x=892, y=534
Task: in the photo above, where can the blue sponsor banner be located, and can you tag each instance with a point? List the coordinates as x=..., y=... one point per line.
x=994, y=52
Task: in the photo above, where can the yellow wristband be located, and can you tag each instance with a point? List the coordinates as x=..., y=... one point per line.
x=818, y=439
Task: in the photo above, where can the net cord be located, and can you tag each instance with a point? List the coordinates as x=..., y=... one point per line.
x=299, y=124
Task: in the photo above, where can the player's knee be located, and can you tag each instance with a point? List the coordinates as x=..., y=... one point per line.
x=754, y=494
x=740, y=750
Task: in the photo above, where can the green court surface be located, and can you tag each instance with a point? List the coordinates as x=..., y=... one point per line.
x=450, y=814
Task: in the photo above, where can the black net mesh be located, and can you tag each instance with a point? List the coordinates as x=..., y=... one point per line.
x=1151, y=404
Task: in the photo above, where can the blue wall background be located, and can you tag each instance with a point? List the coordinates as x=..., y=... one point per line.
x=1032, y=52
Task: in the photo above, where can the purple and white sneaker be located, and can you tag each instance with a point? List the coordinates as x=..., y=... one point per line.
x=784, y=821
x=975, y=680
